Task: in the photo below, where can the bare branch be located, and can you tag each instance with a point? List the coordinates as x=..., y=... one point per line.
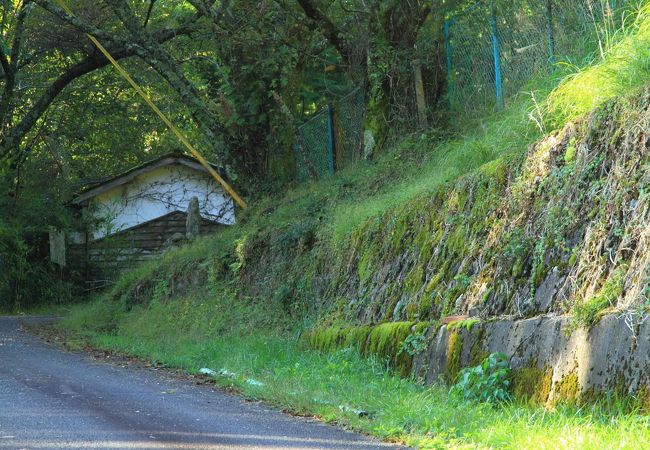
x=146, y=19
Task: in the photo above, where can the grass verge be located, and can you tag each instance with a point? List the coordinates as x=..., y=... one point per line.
x=341, y=386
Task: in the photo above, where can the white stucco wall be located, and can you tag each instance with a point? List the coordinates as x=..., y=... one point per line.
x=157, y=193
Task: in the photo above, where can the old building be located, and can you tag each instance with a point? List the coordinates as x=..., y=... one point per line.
x=133, y=216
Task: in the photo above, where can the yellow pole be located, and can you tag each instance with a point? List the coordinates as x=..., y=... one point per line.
x=179, y=134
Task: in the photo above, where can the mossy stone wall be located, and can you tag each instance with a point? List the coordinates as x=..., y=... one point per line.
x=549, y=365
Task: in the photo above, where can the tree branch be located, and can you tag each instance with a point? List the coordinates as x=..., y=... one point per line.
x=88, y=64
x=10, y=64
x=329, y=29
x=104, y=36
x=203, y=112
x=148, y=16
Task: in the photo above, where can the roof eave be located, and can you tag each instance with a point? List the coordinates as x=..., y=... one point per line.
x=137, y=171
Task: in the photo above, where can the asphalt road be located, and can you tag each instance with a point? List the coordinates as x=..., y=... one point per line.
x=51, y=399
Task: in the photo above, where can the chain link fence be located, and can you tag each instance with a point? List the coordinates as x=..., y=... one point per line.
x=495, y=46
x=492, y=49
x=331, y=139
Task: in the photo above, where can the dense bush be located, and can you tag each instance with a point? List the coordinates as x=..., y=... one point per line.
x=26, y=276
x=488, y=382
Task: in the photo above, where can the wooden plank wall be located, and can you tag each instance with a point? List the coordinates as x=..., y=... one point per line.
x=107, y=257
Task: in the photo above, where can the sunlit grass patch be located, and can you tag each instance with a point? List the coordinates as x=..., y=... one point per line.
x=625, y=67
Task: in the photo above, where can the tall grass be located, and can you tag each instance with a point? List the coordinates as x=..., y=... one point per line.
x=625, y=67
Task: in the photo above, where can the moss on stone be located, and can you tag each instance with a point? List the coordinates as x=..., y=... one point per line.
x=568, y=389
x=589, y=312
x=421, y=327
x=425, y=306
x=496, y=169
x=458, y=239
x=570, y=153
x=384, y=340
x=357, y=337
x=454, y=351
x=414, y=280
x=364, y=269
x=477, y=352
x=326, y=339
x=486, y=295
x=532, y=384
x=434, y=282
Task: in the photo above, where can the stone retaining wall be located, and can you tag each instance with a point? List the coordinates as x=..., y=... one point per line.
x=549, y=360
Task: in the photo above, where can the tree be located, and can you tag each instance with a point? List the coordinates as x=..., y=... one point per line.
x=379, y=41
x=237, y=77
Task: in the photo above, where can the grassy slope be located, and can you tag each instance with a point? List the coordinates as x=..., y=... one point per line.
x=210, y=325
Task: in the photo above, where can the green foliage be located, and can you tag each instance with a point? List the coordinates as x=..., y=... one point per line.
x=488, y=382
x=414, y=344
x=587, y=313
x=27, y=278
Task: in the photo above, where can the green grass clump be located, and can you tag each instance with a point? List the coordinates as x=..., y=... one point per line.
x=588, y=313
x=625, y=67
x=385, y=341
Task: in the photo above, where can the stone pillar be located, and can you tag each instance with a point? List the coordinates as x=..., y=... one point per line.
x=57, y=247
x=193, y=222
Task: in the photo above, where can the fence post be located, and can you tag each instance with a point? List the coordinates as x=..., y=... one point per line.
x=497, y=59
x=549, y=26
x=330, y=137
x=447, y=33
x=420, y=98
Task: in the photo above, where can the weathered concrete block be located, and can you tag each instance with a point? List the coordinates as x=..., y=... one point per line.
x=613, y=355
x=57, y=247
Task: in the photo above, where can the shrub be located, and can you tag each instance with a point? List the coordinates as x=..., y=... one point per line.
x=488, y=382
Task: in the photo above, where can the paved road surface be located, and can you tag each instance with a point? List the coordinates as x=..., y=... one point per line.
x=50, y=399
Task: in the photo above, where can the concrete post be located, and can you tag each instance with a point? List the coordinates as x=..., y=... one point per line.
x=193, y=221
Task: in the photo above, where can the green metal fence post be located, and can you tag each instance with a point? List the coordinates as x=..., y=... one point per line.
x=549, y=26
x=447, y=32
x=497, y=58
x=330, y=137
